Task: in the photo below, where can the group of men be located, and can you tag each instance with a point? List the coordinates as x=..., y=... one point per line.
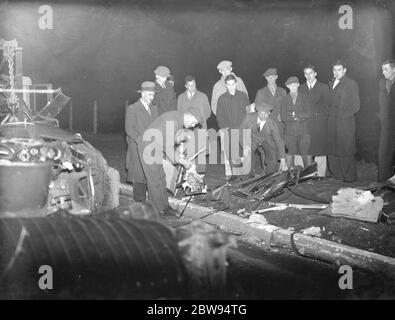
x=315, y=121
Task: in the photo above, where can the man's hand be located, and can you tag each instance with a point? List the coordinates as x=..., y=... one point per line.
x=185, y=163
x=183, y=135
x=283, y=165
x=250, y=108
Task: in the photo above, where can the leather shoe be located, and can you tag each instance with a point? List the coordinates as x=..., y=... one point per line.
x=169, y=211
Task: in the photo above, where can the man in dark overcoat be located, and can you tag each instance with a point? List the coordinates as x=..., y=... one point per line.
x=157, y=142
x=139, y=116
x=343, y=104
x=387, y=121
x=165, y=98
x=318, y=95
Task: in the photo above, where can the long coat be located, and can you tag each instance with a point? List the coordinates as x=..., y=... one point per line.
x=165, y=126
x=387, y=130
x=318, y=123
x=165, y=98
x=137, y=119
x=198, y=101
x=343, y=104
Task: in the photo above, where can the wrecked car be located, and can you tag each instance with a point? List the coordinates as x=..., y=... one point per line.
x=44, y=168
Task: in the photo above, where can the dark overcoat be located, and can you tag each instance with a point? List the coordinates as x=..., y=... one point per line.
x=137, y=120
x=387, y=130
x=165, y=98
x=295, y=116
x=343, y=104
x=318, y=122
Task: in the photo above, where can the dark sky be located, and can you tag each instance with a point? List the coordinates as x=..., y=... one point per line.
x=103, y=50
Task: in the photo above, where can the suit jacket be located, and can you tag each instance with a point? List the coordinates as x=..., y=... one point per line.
x=343, y=104
x=265, y=95
x=165, y=98
x=295, y=116
x=318, y=123
x=270, y=133
x=137, y=119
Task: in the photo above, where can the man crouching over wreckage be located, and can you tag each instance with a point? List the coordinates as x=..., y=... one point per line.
x=265, y=140
x=158, y=141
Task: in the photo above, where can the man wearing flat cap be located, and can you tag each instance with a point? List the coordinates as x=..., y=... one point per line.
x=157, y=142
x=165, y=98
x=225, y=68
x=266, y=140
x=295, y=112
x=272, y=94
x=138, y=117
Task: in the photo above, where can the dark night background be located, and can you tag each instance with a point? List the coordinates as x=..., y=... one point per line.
x=103, y=50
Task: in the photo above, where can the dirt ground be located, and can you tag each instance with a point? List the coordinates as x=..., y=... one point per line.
x=376, y=237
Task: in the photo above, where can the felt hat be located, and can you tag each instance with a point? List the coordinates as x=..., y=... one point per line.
x=162, y=71
x=147, y=86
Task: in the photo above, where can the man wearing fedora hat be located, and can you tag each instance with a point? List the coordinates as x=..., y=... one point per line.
x=159, y=140
x=165, y=97
x=266, y=140
x=225, y=68
x=295, y=112
x=139, y=116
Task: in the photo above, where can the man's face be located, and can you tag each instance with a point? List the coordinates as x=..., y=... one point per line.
x=231, y=85
x=191, y=86
x=339, y=72
x=310, y=74
x=189, y=120
x=147, y=96
x=388, y=72
x=293, y=87
x=263, y=115
x=271, y=79
x=225, y=72
x=160, y=78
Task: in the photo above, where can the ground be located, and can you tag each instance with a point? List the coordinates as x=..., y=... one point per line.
x=375, y=237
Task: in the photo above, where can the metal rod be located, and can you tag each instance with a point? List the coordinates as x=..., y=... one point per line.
x=46, y=91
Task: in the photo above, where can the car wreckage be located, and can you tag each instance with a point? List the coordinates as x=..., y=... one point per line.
x=59, y=209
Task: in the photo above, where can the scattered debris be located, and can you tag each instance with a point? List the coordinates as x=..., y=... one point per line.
x=357, y=204
x=312, y=231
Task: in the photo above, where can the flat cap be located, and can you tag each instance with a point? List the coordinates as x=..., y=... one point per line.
x=270, y=72
x=189, y=78
x=147, y=86
x=291, y=80
x=162, y=71
x=225, y=64
x=196, y=113
x=262, y=106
